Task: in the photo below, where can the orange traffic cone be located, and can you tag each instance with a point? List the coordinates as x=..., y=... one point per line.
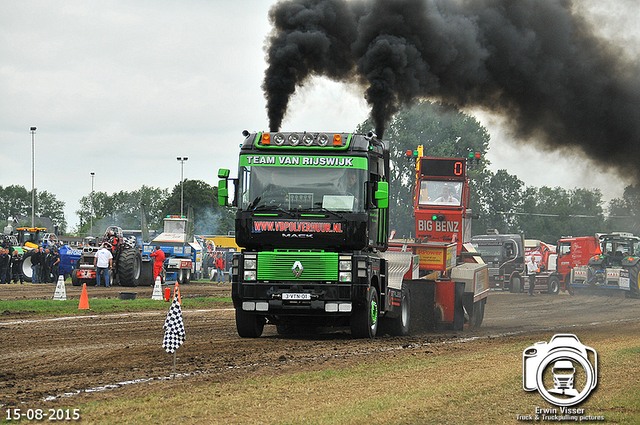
x=176, y=293
x=84, y=298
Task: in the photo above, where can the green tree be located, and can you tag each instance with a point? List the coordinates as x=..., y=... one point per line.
x=443, y=131
x=500, y=195
x=209, y=217
x=550, y=213
x=120, y=209
x=16, y=200
x=624, y=213
x=47, y=205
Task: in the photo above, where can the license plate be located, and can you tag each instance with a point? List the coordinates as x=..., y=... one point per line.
x=296, y=297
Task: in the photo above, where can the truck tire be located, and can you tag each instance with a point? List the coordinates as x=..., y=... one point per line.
x=477, y=314
x=249, y=325
x=25, y=267
x=129, y=266
x=364, y=318
x=186, y=276
x=399, y=326
x=515, y=283
x=146, y=274
x=553, y=285
x=74, y=278
x=634, y=281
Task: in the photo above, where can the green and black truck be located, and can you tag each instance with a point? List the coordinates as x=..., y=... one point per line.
x=312, y=219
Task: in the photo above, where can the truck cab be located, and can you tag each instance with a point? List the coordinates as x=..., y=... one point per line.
x=504, y=255
x=573, y=252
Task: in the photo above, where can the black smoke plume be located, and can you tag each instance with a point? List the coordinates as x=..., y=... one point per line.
x=535, y=62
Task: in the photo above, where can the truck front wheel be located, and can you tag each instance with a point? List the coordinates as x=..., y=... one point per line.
x=249, y=325
x=553, y=285
x=364, y=319
x=515, y=283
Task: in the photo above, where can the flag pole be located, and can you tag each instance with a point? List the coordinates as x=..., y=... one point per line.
x=174, y=365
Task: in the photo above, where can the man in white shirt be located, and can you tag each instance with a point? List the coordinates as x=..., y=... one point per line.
x=532, y=270
x=103, y=262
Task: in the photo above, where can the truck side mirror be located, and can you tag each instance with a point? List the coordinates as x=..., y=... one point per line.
x=381, y=195
x=223, y=189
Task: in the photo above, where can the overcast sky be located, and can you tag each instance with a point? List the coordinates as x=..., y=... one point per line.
x=122, y=88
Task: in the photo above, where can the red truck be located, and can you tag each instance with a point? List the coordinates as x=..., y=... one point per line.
x=557, y=262
x=453, y=279
x=573, y=252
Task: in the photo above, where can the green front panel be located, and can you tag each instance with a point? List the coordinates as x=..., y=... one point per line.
x=278, y=266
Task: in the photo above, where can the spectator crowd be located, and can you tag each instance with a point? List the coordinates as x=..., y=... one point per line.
x=45, y=262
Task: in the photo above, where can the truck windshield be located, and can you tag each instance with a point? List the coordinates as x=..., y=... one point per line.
x=302, y=188
x=488, y=250
x=434, y=192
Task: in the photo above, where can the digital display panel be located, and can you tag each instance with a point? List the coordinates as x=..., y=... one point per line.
x=442, y=167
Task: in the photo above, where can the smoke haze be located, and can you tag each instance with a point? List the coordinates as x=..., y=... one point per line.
x=538, y=63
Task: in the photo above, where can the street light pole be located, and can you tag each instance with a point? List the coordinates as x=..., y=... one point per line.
x=92, y=176
x=33, y=176
x=182, y=159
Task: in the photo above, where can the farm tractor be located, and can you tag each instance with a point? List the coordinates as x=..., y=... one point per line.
x=25, y=239
x=127, y=262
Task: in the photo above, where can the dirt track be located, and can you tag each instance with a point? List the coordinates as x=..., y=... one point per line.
x=70, y=360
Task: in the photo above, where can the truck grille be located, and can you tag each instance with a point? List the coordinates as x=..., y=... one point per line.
x=315, y=266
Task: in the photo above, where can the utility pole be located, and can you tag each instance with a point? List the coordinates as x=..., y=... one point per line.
x=33, y=177
x=182, y=159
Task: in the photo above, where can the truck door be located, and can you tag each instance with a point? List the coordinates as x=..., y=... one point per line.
x=509, y=253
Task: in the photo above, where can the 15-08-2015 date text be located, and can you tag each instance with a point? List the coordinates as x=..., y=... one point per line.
x=43, y=414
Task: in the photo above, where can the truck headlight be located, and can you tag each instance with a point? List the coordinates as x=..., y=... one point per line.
x=250, y=264
x=344, y=266
x=344, y=277
x=249, y=275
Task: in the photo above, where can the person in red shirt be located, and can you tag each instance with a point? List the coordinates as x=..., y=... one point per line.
x=220, y=265
x=158, y=256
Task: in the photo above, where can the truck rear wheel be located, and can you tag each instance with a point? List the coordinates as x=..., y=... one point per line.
x=553, y=285
x=477, y=314
x=129, y=266
x=249, y=325
x=399, y=326
x=364, y=319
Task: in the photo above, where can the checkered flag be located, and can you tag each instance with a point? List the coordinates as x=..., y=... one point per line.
x=174, y=333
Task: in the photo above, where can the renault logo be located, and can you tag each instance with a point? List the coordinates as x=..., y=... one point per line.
x=297, y=269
